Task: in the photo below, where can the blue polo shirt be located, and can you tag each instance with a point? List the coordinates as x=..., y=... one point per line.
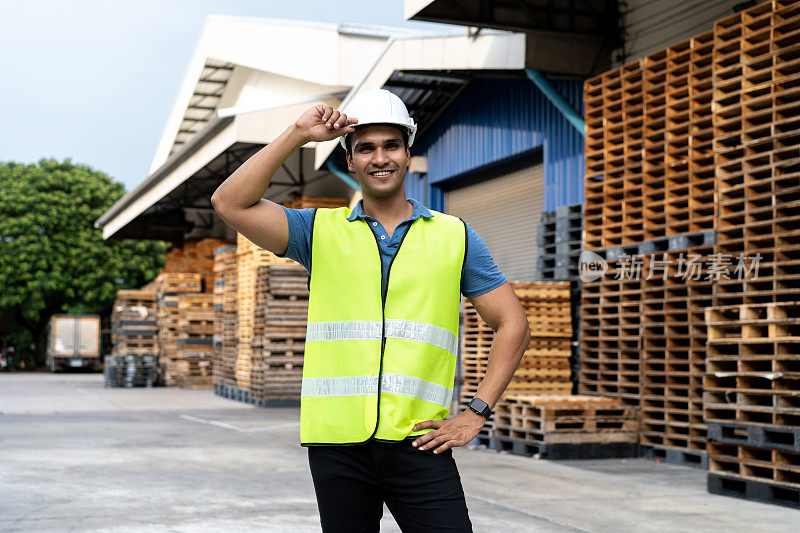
x=481, y=273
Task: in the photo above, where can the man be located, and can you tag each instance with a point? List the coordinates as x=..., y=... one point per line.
x=385, y=286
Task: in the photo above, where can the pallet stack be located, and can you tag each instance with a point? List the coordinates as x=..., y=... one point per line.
x=251, y=337
x=559, y=239
x=193, y=363
x=248, y=258
x=692, y=152
x=650, y=206
x=195, y=257
x=133, y=323
x=611, y=334
x=756, y=146
x=752, y=401
x=279, y=327
x=564, y=427
x=545, y=367
x=225, y=317
x=169, y=287
x=134, y=335
x=674, y=351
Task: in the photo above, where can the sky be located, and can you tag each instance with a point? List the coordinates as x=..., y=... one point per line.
x=95, y=81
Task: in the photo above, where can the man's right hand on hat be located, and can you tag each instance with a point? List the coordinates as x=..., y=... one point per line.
x=324, y=123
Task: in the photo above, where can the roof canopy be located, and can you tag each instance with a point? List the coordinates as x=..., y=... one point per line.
x=236, y=97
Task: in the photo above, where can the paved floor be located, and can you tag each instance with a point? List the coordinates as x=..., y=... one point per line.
x=75, y=456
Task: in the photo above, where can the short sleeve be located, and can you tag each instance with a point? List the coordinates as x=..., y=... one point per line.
x=300, y=221
x=481, y=273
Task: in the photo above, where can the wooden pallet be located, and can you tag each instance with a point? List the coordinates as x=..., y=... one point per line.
x=779, y=467
x=173, y=282
x=559, y=419
x=195, y=256
x=545, y=364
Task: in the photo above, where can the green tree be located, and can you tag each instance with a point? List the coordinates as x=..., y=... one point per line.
x=52, y=258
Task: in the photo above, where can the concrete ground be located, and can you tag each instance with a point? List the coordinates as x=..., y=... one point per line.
x=75, y=456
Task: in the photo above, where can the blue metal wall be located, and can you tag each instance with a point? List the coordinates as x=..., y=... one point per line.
x=495, y=120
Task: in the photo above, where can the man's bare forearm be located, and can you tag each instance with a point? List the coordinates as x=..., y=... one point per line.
x=510, y=342
x=247, y=185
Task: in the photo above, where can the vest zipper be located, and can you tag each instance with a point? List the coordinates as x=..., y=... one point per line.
x=384, y=293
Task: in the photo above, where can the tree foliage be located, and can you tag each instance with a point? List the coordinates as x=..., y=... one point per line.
x=52, y=258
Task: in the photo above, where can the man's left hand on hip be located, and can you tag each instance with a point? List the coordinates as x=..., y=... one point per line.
x=456, y=431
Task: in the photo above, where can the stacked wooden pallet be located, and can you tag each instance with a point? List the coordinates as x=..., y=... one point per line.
x=756, y=148
x=133, y=323
x=752, y=399
x=650, y=205
x=225, y=316
x=565, y=420
x=545, y=367
x=253, y=336
x=674, y=352
x=197, y=257
x=692, y=152
x=249, y=258
x=545, y=364
x=134, y=335
x=752, y=385
x=192, y=365
x=611, y=340
x=169, y=287
x=172, y=283
x=279, y=331
x=649, y=159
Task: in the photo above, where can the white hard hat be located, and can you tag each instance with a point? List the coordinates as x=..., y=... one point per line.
x=379, y=106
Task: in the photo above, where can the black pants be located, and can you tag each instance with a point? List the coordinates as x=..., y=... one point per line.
x=421, y=489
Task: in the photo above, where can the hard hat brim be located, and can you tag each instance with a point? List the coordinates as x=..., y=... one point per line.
x=410, y=130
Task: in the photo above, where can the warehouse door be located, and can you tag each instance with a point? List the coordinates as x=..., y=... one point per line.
x=505, y=211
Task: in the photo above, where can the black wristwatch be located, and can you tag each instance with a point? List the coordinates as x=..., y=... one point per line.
x=480, y=407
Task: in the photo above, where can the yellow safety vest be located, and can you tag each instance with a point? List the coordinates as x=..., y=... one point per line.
x=377, y=364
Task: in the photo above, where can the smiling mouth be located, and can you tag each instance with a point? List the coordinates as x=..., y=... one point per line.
x=381, y=173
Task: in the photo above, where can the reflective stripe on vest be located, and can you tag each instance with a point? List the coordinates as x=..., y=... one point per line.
x=365, y=385
x=376, y=364
x=395, y=329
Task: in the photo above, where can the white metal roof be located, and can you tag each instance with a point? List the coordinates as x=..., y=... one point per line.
x=217, y=136
x=318, y=53
x=237, y=89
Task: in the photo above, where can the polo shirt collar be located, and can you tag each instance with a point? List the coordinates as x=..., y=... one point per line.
x=418, y=210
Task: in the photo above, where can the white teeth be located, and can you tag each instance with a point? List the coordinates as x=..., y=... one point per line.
x=383, y=173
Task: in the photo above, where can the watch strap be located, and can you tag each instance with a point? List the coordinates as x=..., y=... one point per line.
x=480, y=407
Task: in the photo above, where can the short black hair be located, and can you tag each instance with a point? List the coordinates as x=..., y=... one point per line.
x=348, y=138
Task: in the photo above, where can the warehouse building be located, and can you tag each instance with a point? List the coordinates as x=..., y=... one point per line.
x=488, y=122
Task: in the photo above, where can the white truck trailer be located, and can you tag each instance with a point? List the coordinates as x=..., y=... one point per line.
x=73, y=342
